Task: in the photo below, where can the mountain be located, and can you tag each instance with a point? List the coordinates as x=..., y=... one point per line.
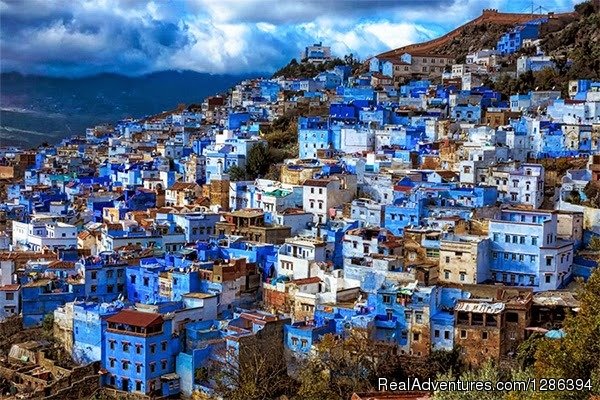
x=37, y=109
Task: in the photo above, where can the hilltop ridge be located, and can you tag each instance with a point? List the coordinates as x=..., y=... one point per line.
x=493, y=22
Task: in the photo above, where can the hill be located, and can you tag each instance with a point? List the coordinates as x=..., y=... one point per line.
x=37, y=109
x=578, y=41
x=480, y=33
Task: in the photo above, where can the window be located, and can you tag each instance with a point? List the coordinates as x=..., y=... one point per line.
x=109, y=273
x=125, y=346
x=387, y=299
x=436, y=333
x=484, y=335
x=109, y=288
x=463, y=334
x=496, y=237
x=294, y=341
x=446, y=335
x=163, y=364
x=416, y=336
x=534, y=241
x=93, y=288
x=120, y=273
x=146, y=281
x=506, y=238
x=163, y=345
x=112, y=362
x=515, y=239
x=419, y=317
x=446, y=274
x=549, y=261
x=138, y=385
x=138, y=349
x=153, y=348
x=495, y=255
x=152, y=366
x=125, y=365
x=132, y=279
x=462, y=276
x=447, y=259
x=548, y=278
x=10, y=296
x=512, y=317
x=303, y=343
x=94, y=275
x=522, y=240
x=506, y=256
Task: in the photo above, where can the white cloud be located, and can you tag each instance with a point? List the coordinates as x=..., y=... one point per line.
x=131, y=36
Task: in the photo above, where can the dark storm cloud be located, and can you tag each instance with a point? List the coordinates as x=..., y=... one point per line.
x=79, y=37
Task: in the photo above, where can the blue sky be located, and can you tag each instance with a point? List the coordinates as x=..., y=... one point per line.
x=133, y=37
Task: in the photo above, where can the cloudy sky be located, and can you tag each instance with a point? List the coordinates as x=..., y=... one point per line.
x=84, y=37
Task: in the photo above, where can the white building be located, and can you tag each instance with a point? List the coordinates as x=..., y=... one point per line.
x=320, y=195
x=297, y=255
x=43, y=234
x=522, y=185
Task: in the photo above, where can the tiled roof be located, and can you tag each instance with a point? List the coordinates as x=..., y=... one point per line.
x=317, y=182
x=136, y=318
x=306, y=281
x=9, y=288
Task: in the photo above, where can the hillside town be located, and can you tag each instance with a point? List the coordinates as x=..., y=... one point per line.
x=408, y=199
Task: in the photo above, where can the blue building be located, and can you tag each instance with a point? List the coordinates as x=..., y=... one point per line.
x=313, y=134
x=512, y=40
x=299, y=337
x=140, y=352
x=203, y=341
x=142, y=282
x=104, y=277
x=526, y=251
x=42, y=296
x=402, y=213
x=89, y=327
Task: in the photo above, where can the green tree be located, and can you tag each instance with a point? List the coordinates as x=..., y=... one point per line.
x=576, y=355
x=594, y=244
x=237, y=173
x=48, y=325
x=574, y=197
x=488, y=372
x=257, y=161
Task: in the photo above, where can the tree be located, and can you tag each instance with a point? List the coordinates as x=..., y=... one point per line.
x=576, y=355
x=255, y=369
x=592, y=192
x=48, y=324
x=574, y=197
x=257, y=161
x=594, y=244
x=340, y=367
x=586, y=8
x=492, y=373
x=236, y=173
